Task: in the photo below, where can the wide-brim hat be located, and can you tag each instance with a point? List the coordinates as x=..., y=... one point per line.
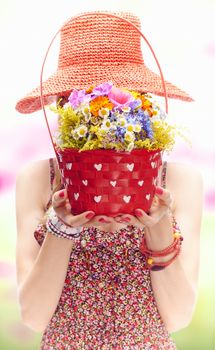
x=95, y=48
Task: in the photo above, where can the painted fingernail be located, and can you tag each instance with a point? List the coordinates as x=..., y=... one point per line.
x=104, y=221
x=90, y=215
x=138, y=213
x=159, y=190
x=126, y=219
x=61, y=194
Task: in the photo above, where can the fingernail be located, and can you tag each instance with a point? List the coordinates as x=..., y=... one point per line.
x=125, y=219
x=104, y=221
x=159, y=190
x=90, y=215
x=61, y=194
x=138, y=213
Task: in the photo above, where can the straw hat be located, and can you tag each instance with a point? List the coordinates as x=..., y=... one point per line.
x=95, y=48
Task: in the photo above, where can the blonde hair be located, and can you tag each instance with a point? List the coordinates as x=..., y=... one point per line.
x=57, y=186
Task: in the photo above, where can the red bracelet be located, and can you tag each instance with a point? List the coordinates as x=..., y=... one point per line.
x=175, y=246
x=168, y=250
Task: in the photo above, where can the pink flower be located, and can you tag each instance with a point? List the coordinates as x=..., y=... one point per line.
x=120, y=98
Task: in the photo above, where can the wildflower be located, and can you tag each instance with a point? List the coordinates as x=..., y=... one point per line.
x=137, y=128
x=129, y=136
x=126, y=109
x=102, y=89
x=97, y=103
x=81, y=130
x=106, y=124
x=130, y=127
x=120, y=98
x=104, y=112
x=122, y=121
x=77, y=97
x=135, y=104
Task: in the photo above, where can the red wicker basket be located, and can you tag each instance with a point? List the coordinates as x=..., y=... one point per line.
x=109, y=182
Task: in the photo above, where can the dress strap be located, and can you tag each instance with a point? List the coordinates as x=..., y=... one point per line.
x=163, y=174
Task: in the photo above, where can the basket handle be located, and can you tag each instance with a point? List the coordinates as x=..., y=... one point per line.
x=109, y=15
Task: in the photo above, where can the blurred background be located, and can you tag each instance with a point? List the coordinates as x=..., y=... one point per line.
x=182, y=35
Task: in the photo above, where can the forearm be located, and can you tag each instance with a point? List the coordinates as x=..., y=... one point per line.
x=40, y=291
x=174, y=294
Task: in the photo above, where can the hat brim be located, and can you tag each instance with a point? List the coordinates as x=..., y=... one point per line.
x=131, y=76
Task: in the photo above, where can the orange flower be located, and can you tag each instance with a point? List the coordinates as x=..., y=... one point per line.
x=99, y=102
x=89, y=90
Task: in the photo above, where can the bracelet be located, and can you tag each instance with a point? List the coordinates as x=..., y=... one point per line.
x=59, y=228
x=175, y=246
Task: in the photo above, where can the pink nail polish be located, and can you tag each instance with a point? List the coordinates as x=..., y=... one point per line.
x=61, y=194
x=90, y=215
x=159, y=190
x=138, y=213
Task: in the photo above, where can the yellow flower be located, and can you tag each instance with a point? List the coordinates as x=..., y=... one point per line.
x=100, y=102
x=130, y=127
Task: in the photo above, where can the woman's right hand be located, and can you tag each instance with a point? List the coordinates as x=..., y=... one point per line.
x=62, y=208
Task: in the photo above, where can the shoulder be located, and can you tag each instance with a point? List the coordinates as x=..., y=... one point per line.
x=185, y=182
x=36, y=175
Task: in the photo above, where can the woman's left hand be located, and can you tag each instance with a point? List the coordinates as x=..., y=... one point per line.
x=160, y=206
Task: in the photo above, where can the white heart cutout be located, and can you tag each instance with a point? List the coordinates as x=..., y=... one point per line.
x=113, y=183
x=76, y=195
x=85, y=182
x=98, y=166
x=140, y=183
x=69, y=166
x=153, y=164
x=97, y=199
x=130, y=166
x=148, y=196
x=126, y=199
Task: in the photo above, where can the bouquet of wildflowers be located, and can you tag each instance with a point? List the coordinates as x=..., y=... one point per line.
x=107, y=117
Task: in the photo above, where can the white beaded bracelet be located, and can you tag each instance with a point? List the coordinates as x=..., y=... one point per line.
x=58, y=228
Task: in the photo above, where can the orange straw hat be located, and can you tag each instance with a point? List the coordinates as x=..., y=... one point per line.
x=95, y=49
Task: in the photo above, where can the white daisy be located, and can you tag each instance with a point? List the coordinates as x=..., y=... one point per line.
x=81, y=130
x=129, y=136
x=137, y=128
x=104, y=112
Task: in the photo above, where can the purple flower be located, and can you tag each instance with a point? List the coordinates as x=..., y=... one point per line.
x=102, y=89
x=134, y=104
x=77, y=97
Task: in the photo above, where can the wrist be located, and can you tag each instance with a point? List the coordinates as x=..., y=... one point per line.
x=57, y=227
x=161, y=234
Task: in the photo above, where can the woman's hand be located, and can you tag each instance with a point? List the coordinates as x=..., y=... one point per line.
x=62, y=207
x=160, y=207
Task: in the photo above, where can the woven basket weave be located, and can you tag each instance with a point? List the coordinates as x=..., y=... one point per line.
x=109, y=182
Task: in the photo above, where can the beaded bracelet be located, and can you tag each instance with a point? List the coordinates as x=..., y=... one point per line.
x=175, y=246
x=59, y=228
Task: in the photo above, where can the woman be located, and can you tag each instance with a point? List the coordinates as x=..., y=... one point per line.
x=96, y=291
